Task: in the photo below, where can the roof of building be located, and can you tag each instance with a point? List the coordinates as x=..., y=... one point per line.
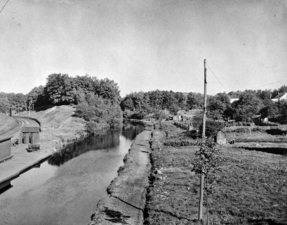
x=279, y=95
x=30, y=129
x=181, y=112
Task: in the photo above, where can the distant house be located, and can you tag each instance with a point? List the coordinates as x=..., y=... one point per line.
x=180, y=114
x=233, y=99
x=280, y=97
x=221, y=138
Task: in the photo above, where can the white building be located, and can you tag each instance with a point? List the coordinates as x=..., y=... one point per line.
x=280, y=97
x=231, y=99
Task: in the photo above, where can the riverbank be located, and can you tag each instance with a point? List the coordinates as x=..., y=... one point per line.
x=126, y=201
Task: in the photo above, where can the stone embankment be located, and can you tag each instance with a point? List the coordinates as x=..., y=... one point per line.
x=126, y=201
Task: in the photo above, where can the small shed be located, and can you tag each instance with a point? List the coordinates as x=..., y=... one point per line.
x=5, y=148
x=180, y=115
x=30, y=135
x=221, y=138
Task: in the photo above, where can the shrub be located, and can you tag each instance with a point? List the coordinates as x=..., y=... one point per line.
x=197, y=121
x=138, y=115
x=211, y=127
x=99, y=113
x=93, y=127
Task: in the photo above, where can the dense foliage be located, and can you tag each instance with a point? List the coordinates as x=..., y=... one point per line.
x=154, y=101
x=211, y=128
x=97, y=101
x=15, y=101
x=251, y=103
x=100, y=113
x=61, y=89
x=4, y=105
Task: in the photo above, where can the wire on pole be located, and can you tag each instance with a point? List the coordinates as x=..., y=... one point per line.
x=216, y=77
x=4, y=6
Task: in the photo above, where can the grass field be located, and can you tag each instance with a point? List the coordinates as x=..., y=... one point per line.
x=251, y=187
x=6, y=123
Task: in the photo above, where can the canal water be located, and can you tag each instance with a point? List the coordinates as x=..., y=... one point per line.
x=66, y=188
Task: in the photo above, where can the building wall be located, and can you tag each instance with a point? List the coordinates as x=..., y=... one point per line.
x=221, y=138
x=5, y=149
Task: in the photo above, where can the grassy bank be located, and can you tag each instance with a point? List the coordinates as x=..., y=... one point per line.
x=251, y=187
x=6, y=123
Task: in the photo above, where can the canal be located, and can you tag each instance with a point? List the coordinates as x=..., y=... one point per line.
x=66, y=188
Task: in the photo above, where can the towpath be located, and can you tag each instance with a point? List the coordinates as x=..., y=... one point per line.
x=126, y=201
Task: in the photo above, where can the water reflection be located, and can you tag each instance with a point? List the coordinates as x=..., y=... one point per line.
x=130, y=131
x=106, y=141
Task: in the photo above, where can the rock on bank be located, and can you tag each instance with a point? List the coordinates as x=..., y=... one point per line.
x=126, y=200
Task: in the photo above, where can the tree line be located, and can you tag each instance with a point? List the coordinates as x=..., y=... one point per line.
x=86, y=91
x=250, y=103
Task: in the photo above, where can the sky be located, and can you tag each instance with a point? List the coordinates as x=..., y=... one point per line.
x=145, y=45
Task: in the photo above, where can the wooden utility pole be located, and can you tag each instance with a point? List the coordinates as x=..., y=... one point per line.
x=203, y=141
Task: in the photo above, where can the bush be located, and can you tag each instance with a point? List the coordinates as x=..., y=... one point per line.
x=99, y=113
x=211, y=127
x=93, y=127
x=137, y=115
x=197, y=121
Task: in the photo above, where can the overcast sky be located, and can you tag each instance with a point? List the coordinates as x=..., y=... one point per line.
x=145, y=44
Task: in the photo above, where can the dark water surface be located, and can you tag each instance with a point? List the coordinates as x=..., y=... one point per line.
x=66, y=188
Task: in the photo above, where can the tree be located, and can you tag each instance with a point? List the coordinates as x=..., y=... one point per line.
x=37, y=96
x=17, y=100
x=156, y=99
x=264, y=94
x=208, y=160
x=4, y=105
x=180, y=98
x=168, y=99
x=99, y=113
x=283, y=112
x=85, y=84
x=217, y=106
x=269, y=111
x=127, y=103
x=246, y=107
x=283, y=89
x=109, y=89
x=211, y=128
x=194, y=100
x=59, y=89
